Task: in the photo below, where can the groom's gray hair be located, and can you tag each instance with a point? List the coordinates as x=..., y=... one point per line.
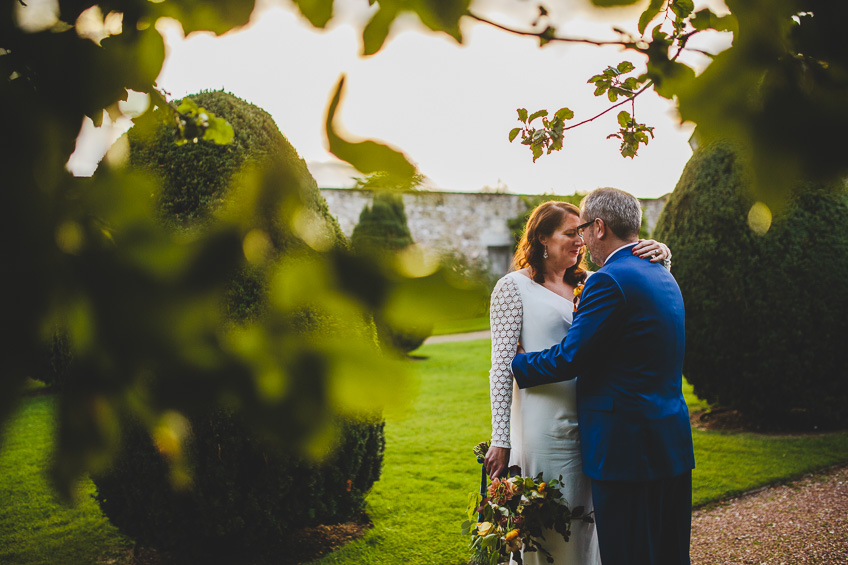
x=619, y=210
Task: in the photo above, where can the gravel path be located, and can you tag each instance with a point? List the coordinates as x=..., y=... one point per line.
x=482, y=334
x=805, y=522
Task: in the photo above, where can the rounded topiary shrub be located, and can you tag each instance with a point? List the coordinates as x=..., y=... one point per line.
x=762, y=311
x=245, y=495
x=55, y=361
x=383, y=230
x=244, y=498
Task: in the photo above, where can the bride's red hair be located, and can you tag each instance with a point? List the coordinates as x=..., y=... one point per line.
x=543, y=221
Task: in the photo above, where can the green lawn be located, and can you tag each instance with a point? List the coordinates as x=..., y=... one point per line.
x=419, y=503
x=35, y=528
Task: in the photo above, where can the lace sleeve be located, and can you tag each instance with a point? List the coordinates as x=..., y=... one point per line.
x=505, y=313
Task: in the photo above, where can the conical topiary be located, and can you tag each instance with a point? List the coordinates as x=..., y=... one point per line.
x=383, y=231
x=762, y=311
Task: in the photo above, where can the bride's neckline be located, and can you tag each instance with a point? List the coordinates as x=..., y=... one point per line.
x=544, y=287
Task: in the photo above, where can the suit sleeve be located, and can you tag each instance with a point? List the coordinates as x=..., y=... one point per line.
x=600, y=308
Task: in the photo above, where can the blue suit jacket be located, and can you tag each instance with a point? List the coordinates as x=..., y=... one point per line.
x=626, y=345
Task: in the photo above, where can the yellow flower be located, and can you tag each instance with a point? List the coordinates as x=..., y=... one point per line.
x=513, y=544
x=542, y=487
x=578, y=290
x=512, y=534
x=484, y=528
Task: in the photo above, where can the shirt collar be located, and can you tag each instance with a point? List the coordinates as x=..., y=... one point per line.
x=619, y=249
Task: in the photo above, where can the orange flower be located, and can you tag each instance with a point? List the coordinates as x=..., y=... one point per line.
x=542, y=487
x=512, y=534
x=578, y=290
x=493, y=487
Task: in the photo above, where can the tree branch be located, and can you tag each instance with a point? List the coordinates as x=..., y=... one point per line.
x=541, y=35
x=616, y=105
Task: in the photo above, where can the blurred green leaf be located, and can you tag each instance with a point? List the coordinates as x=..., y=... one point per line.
x=706, y=19
x=219, y=131
x=218, y=16
x=669, y=77
x=318, y=12
x=138, y=57
x=441, y=15
x=649, y=14
x=367, y=156
x=547, y=35
x=375, y=33
x=682, y=8
x=613, y=3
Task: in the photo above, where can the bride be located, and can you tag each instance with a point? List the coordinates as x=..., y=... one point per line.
x=536, y=428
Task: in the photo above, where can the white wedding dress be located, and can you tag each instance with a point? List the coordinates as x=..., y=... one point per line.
x=539, y=423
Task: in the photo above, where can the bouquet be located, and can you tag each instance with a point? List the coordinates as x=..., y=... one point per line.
x=513, y=514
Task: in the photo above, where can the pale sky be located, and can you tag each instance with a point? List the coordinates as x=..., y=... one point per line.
x=448, y=107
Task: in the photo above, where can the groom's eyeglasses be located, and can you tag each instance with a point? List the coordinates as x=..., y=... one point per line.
x=582, y=227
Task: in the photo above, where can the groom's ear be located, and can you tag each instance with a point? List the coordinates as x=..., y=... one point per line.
x=603, y=230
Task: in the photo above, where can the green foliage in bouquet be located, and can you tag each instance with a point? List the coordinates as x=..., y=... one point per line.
x=227, y=487
x=765, y=295
x=514, y=514
x=382, y=233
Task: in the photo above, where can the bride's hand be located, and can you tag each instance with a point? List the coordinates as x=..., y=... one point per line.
x=496, y=461
x=651, y=249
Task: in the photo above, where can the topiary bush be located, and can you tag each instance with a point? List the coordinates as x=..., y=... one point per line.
x=245, y=496
x=381, y=232
x=382, y=226
x=763, y=312
x=56, y=360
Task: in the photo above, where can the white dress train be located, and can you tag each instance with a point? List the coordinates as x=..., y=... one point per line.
x=539, y=423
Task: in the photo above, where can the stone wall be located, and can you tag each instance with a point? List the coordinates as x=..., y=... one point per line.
x=473, y=224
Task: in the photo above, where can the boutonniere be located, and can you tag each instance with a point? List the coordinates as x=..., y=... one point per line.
x=578, y=290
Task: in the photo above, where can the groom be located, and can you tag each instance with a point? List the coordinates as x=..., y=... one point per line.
x=626, y=345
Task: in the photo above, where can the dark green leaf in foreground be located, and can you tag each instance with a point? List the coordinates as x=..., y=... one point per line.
x=367, y=156
x=218, y=16
x=318, y=12
x=613, y=3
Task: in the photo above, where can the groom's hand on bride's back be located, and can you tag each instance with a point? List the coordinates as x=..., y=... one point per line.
x=496, y=461
x=520, y=350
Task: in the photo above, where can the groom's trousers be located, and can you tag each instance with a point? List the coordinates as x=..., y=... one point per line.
x=644, y=523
